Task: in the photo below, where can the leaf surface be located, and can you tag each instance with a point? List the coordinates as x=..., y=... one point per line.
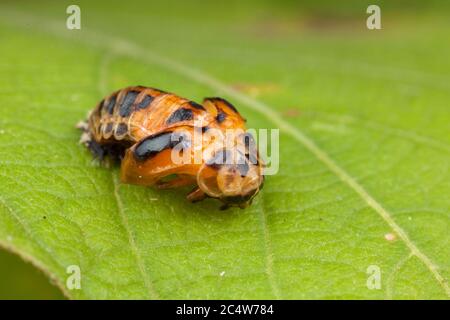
x=364, y=153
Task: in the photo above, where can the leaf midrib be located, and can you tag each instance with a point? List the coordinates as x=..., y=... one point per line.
x=131, y=240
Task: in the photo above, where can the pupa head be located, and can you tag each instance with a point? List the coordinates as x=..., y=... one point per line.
x=232, y=176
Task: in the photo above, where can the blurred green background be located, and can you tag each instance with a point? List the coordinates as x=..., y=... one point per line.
x=283, y=24
x=20, y=280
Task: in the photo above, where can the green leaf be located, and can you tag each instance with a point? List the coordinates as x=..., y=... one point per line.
x=364, y=151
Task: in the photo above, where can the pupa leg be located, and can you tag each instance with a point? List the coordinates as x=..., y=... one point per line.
x=196, y=195
x=97, y=150
x=106, y=155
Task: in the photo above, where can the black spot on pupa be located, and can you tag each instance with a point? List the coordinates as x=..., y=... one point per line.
x=219, y=159
x=101, y=106
x=180, y=139
x=252, y=159
x=121, y=129
x=201, y=129
x=242, y=165
x=195, y=105
x=229, y=105
x=213, y=99
x=127, y=103
x=249, y=141
x=221, y=117
x=108, y=128
x=251, y=151
x=243, y=168
x=152, y=145
x=111, y=104
x=145, y=102
x=180, y=115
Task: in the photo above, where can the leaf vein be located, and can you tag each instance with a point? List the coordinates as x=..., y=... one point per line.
x=131, y=240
